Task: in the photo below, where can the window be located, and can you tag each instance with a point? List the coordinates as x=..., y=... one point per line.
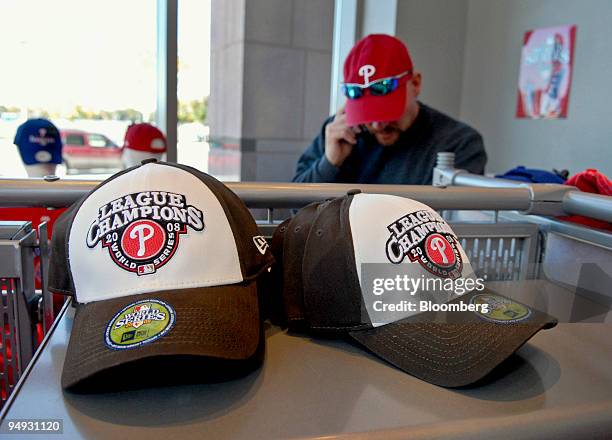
x=75, y=140
x=94, y=79
x=194, y=85
x=99, y=141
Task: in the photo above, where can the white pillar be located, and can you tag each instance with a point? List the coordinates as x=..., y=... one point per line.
x=345, y=36
x=167, y=13
x=379, y=17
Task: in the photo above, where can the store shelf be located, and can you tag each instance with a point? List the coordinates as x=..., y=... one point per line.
x=559, y=382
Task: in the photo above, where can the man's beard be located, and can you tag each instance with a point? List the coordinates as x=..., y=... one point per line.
x=387, y=135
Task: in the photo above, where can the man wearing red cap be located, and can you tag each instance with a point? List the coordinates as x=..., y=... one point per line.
x=384, y=134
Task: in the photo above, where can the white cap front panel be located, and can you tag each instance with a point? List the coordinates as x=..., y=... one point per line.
x=155, y=228
x=400, y=231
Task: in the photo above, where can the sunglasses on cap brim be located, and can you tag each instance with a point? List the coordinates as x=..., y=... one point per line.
x=380, y=87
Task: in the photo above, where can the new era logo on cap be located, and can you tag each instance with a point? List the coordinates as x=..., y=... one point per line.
x=160, y=260
x=261, y=243
x=329, y=251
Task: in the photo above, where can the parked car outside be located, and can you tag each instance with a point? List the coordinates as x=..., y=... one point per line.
x=89, y=151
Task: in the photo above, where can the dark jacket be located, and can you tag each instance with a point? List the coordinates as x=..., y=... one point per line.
x=409, y=161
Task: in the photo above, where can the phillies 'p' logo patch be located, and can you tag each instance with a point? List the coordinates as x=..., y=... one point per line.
x=142, y=230
x=143, y=239
x=440, y=251
x=424, y=237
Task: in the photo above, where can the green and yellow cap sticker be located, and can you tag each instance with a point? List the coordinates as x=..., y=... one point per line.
x=139, y=323
x=500, y=309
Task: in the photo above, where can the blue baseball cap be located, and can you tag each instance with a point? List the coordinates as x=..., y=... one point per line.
x=39, y=141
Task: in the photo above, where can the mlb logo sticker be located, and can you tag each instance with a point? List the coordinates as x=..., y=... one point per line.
x=142, y=308
x=146, y=269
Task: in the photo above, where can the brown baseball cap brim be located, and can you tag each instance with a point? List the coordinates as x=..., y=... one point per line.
x=451, y=349
x=219, y=323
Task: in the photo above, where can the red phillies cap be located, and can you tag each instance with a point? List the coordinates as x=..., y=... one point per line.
x=375, y=57
x=145, y=137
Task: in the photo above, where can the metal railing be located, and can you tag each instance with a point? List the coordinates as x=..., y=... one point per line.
x=544, y=198
x=59, y=193
x=453, y=189
x=448, y=192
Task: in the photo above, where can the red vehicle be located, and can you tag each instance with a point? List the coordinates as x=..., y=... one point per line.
x=89, y=151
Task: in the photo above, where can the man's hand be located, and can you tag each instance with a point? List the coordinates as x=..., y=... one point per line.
x=339, y=139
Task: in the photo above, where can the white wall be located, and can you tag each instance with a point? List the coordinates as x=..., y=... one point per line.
x=495, y=31
x=469, y=53
x=435, y=31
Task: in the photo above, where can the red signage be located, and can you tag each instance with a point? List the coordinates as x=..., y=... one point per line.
x=546, y=73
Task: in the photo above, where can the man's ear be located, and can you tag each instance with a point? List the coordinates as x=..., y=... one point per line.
x=416, y=83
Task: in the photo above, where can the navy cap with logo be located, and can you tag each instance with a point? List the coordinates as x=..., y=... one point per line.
x=323, y=251
x=163, y=263
x=39, y=141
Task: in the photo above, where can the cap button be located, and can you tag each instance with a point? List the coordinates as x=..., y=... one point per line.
x=352, y=192
x=149, y=160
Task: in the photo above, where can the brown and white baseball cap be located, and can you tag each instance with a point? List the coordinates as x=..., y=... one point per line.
x=331, y=252
x=162, y=262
